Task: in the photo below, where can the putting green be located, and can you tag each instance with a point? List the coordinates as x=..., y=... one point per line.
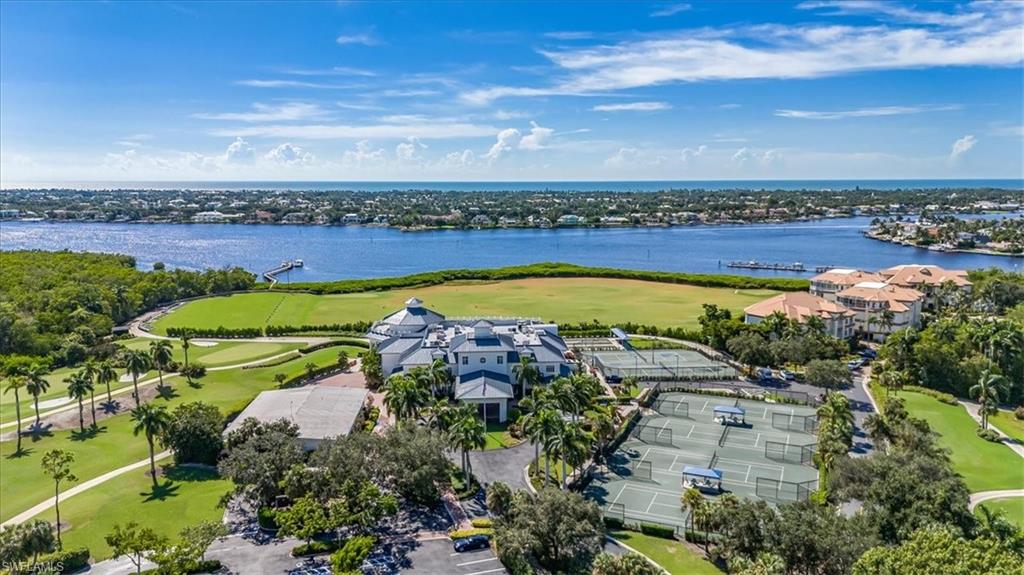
x=563, y=300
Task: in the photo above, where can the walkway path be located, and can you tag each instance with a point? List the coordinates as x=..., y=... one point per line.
x=973, y=409
x=129, y=389
x=86, y=485
x=983, y=496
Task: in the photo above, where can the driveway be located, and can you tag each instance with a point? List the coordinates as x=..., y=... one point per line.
x=436, y=557
x=505, y=465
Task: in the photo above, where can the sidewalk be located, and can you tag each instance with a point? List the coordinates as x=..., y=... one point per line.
x=973, y=409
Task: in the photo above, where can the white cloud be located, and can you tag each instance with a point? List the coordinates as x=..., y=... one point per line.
x=364, y=156
x=268, y=113
x=333, y=71
x=366, y=38
x=990, y=38
x=457, y=160
x=289, y=154
x=729, y=106
x=892, y=11
x=962, y=146
x=864, y=112
x=507, y=140
x=670, y=10
x=569, y=35
x=409, y=150
x=691, y=153
x=424, y=129
x=624, y=157
x=633, y=107
x=510, y=115
x=537, y=137
x=256, y=83
x=239, y=151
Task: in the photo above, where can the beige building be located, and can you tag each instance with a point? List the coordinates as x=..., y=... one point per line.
x=799, y=306
x=926, y=279
x=880, y=309
x=830, y=283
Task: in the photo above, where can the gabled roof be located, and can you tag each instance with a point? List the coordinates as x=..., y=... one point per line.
x=895, y=297
x=912, y=275
x=796, y=306
x=483, y=385
x=846, y=277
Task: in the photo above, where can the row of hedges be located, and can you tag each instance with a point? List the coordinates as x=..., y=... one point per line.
x=597, y=329
x=308, y=375
x=464, y=533
x=207, y=566
x=352, y=341
x=59, y=562
x=275, y=362
x=359, y=327
x=219, y=332
x=540, y=270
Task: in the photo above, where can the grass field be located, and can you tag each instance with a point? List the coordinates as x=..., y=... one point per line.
x=563, y=300
x=984, y=465
x=498, y=437
x=1012, y=508
x=1008, y=424
x=114, y=445
x=224, y=353
x=184, y=497
x=674, y=556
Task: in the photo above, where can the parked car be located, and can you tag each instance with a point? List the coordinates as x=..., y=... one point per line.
x=764, y=374
x=471, y=543
x=613, y=379
x=855, y=364
x=787, y=375
x=868, y=353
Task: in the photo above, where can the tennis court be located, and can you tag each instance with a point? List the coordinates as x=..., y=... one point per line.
x=665, y=364
x=770, y=457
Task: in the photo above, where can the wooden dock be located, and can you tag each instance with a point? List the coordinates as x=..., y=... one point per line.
x=271, y=274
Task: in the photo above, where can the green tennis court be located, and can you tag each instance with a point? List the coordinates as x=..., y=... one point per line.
x=770, y=457
x=647, y=364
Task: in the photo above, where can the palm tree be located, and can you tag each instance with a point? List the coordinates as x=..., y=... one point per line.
x=57, y=465
x=161, y=354
x=564, y=395
x=527, y=375
x=37, y=384
x=573, y=448
x=186, y=338
x=987, y=391
x=891, y=379
x=441, y=376
x=91, y=367
x=552, y=435
x=153, y=420
x=835, y=432
x=79, y=385
x=136, y=363
x=440, y=415
x=691, y=500
x=15, y=383
x=815, y=325
x=602, y=424
x=403, y=396
x=106, y=374
x=468, y=432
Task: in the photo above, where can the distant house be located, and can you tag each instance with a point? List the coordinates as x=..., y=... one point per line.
x=799, y=306
x=295, y=218
x=570, y=220
x=349, y=219
x=481, y=220
x=481, y=355
x=208, y=217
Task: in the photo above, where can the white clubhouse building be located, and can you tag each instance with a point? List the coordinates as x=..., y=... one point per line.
x=482, y=355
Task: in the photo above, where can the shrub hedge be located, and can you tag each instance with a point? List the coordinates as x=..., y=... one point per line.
x=314, y=548
x=989, y=435
x=655, y=530
x=359, y=327
x=942, y=396
x=67, y=561
x=463, y=533
x=483, y=522
x=540, y=270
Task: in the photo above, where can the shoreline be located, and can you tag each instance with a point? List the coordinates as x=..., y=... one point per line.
x=976, y=251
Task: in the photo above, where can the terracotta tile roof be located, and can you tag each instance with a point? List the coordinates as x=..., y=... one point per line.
x=847, y=277
x=797, y=306
x=894, y=296
x=918, y=275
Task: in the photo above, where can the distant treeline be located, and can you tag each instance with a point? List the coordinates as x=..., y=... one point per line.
x=542, y=270
x=58, y=304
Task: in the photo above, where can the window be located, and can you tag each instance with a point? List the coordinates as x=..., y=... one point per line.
x=465, y=360
x=483, y=360
x=550, y=369
x=501, y=360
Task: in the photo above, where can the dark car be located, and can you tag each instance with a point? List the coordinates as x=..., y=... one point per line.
x=613, y=379
x=471, y=543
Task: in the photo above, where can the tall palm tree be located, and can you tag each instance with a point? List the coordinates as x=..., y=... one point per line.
x=987, y=391
x=441, y=376
x=552, y=435
x=564, y=394
x=602, y=424
x=161, y=355
x=527, y=375
x=404, y=397
x=14, y=384
x=440, y=415
x=79, y=385
x=573, y=449
x=136, y=363
x=691, y=500
x=91, y=367
x=835, y=432
x=106, y=374
x=153, y=420
x=468, y=432
x=424, y=378
x=186, y=338
x=37, y=384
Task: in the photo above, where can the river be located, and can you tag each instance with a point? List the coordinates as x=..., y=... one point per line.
x=360, y=252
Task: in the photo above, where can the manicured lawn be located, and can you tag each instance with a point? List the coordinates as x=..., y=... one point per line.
x=114, y=445
x=184, y=497
x=674, y=556
x=223, y=353
x=564, y=300
x=1008, y=424
x=1012, y=508
x=984, y=465
x=498, y=437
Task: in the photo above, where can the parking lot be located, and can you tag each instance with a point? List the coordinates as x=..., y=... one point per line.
x=436, y=557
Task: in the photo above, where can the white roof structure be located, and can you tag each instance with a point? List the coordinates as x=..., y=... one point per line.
x=319, y=411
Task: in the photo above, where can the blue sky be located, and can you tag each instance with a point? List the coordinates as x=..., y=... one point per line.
x=510, y=91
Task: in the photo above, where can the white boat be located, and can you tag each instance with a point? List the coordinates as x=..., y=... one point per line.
x=299, y=263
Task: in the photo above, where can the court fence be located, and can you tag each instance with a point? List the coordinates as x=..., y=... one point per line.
x=655, y=435
x=790, y=453
x=733, y=389
x=663, y=372
x=778, y=490
x=672, y=407
x=792, y=422
x=617, y=516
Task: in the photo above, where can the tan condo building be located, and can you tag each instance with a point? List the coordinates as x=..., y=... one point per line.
x=798, y=306
x=880, y=309
x=929, y=280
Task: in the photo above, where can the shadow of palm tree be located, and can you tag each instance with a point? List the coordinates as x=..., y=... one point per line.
x=110, y=407
x=25, y=452
x=37, y=432
x=89, y=433
x=162, y=491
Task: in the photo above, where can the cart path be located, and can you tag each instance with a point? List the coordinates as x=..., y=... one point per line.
x=983, y=496
x=84, y=486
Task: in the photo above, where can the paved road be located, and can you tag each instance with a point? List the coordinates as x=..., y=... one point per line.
x=504, y=465
x=983, y=496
